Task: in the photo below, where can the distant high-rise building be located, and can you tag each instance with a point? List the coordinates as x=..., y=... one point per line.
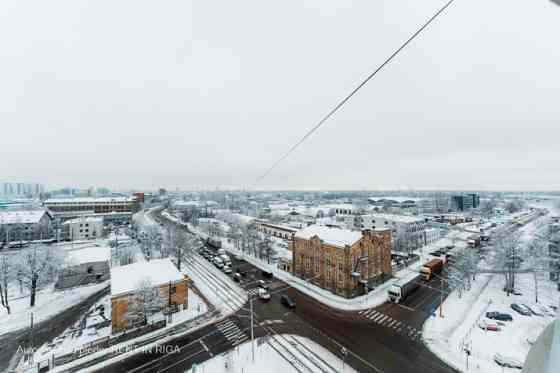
x=464, y=202
x=21, y=189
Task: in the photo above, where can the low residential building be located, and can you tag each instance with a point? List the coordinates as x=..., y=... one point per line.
x=25, y=225
x=111, y=209
x=276, y=230
x=85, y=266
x=450, y=219
x=342, y=261
x=83, y=228
x=130, y=282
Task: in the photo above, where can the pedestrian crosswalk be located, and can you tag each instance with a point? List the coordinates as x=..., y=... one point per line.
x=387, y=321
x=253, y=292
x=231, y=331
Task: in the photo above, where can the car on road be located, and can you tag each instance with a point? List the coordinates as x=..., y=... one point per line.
x=218, y=262
x=499, y=316
x=507, y=361
x=241, y=273
x=263, y=295
x=237, y=277
x=262, y=284
x=534, y=309
x=287, y=301
x=267, y=274
x=520, y=309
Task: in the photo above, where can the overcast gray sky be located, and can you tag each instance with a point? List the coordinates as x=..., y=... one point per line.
x=205, y=94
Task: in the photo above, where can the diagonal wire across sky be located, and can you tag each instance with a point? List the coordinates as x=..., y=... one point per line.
x=352, y=93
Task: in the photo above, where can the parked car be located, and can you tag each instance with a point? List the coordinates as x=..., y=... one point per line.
x=499, y=316
x=534, y=310
x=238, y=257
x=484, y=325
x=507, y=361
x=237, y=277
x=287, y=301
x=226, y=269
x=520, y=309
x=263, y=295
x=241, y=273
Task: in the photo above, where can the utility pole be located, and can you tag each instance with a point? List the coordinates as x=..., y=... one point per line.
x=441, y=298
x=31, y=341
x=252, y=332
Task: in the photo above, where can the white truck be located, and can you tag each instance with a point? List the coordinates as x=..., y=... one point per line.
x=403, y=287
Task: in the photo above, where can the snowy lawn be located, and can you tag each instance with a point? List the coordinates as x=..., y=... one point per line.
x=75, y=336
x=460, y=328
x=71, y=340
x=268, y=360
x=48, y=303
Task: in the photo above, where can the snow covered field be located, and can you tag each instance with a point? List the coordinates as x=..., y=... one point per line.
x=270, y=360
x=48, y=304
x=460, y=327
x=461, y=330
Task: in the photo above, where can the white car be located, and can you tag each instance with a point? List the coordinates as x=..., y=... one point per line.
x=263, y=294
x=507, y=361
x=227, y=269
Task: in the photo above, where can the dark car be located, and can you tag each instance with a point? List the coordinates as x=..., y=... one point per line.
x=241, y=273
x=237, y=277
x=287, y=301
x=499, y=316
x=267, y=274
x=520, y=309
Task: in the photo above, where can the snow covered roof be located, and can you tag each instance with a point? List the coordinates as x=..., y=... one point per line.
x=126, y=279
x=90, y=200
x=277, y=226
x=89, y=255
x=332, y=236
x=84, y=219
x=395, y=218
x=398, y=199
x=21, y=217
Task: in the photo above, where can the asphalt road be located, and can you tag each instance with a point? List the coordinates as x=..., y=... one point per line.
x=385, y=339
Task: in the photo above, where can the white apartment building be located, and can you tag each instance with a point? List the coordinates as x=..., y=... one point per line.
x=84, y=228
x=432, y=235
x=409, y=231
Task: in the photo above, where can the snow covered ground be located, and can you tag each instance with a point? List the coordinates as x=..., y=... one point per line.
x=48, y=303
x=272, y=357
x=460, y=328
x=75, y=337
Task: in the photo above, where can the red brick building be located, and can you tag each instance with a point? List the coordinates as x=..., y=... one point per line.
x=342, y=261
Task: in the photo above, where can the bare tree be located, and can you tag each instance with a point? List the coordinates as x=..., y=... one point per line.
x=6, y=276
x=37, y=266
x=180, y=244
x=507, y=258
x=151, y=241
